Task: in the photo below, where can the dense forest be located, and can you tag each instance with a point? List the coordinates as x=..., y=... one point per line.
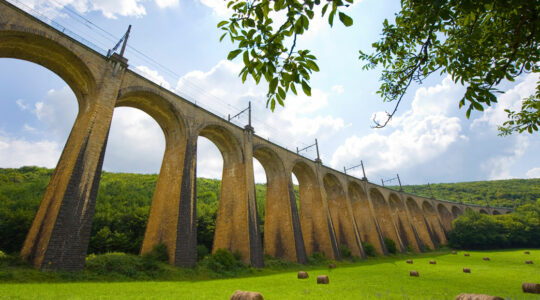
x=124, y=200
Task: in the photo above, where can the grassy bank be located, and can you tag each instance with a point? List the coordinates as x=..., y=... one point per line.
x=380, y=278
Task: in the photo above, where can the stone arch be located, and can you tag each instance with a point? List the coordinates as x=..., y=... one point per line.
x=164, y=215
x=420, y=224
x=483, y=211
x=42, y=50
x=446, y=216
x=363, y=216
x=342, y=218
x=314, y=220
x=433, y=222
x=282, y=233
x=496, y=212
x=456, y=211
x=384, y=216
x=402, y=222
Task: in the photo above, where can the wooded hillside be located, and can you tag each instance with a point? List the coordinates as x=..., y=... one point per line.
x=124, y=199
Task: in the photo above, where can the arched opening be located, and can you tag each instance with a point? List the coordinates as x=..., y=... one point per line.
x=313, y=219
x=446, y=217
x=456, y=212
x=402, y=222
x=282, y=235
x=496, y=212
x=37, y=111
x=139, y=113
x=434, y=224
x=237, y=228
x=483, y=211
x=342, y=218
x=208, y=186
x=384, y=216
x=364, y=219
x=420, y=224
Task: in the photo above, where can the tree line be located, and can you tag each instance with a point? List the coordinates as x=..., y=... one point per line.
x=124, y=200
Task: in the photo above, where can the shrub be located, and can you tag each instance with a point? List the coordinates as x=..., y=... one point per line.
x=369, y=249
x=158, y=253
x=277, y=263
x=390, y=245
x=345, y=252
x=223, y=261
x=317, y=258
x=202, y=252
x=2, y=254
x=124, y=264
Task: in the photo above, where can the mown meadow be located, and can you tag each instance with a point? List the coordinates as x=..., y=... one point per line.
x=375, y=278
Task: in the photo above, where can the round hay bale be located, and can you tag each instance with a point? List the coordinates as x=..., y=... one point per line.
x=466, y=270
x=477, y=297
x=466, y=254
x=302, y=275
x=454, y=252
x=533, y=288
x=323, y=279
x=527, y=252
x=486, y=258
x=245, y=295
x=409, y=261
x=432, y=262
x=414, y=273
x=332, y=266
x=529, y=262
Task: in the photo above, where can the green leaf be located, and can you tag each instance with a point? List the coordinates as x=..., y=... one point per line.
x=246, y=58
x=273, y=85
x=306, y=88
x=281, y=93
x=233, y=54
x=346, y=20
x=221, y=38
x=312, y=65
x=222, y=23
x=477, y=106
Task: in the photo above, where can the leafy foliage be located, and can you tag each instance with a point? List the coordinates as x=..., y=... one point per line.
x=390, y=245
x=224, y=262
x=479, y=43
x=474, y=230
x=263, y=44
x=369, y=249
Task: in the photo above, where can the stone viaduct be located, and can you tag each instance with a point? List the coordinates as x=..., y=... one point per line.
x=335, y=209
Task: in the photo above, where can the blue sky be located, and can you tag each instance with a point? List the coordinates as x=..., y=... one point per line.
x=430, y=140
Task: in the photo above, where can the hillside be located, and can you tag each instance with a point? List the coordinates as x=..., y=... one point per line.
x=124, y=199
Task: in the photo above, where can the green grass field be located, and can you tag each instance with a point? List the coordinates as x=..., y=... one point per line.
x=381, y=278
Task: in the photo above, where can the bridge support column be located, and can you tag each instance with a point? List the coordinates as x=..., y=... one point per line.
x=58, y=238
x=173, y=218
x=344, y=224
x=237, y=225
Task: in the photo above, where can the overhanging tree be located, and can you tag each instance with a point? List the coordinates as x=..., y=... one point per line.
x=479, y=43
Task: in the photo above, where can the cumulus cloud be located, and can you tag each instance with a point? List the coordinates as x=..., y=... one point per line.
x=338, y=89
x=300, y=121
x=15, y=152
x=533, y=173
x=167, y=3
x=499, y=166
x=57, y=112
x=423, y=132
x=495, y=115
x=153, y=75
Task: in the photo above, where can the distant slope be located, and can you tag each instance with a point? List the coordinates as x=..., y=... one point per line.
x=501, y=193
x=124, y=200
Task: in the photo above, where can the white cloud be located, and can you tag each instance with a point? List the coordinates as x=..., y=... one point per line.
x=533, y=173
x=57, y=111
x=15, y=153
x=109, y=9
x=167, y=3
x=218, y=6
x=338, y=89
x=23, y=106
x=153, y=75
x=420, y=134
x=499, y=166
x=495, y=115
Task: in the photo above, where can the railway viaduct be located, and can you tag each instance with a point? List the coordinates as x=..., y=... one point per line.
x=335, y=209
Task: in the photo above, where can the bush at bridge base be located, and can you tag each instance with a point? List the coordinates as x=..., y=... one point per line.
x=369, y=249
x=390, y=245
x=474, y=230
